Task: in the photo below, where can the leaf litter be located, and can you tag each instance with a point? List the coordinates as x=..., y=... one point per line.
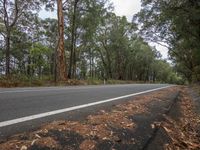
x=184, y=132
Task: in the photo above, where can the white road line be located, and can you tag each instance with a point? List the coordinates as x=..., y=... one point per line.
x=37, y=116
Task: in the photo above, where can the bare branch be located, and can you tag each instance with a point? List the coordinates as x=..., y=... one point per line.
x=65, y=2
x=3, y=34
x=1, y=11
x=16, y=14
x=6, y=20
x=159, y=43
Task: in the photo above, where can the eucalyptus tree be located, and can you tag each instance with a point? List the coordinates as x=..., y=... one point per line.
x=50, y=28
x=21, y=45
x=176, y=25
x=2, y=43
x=90, y=26
x=120, y=36
x=39, y=56
x=81, y=27
x=11, y=11
x=113, y=38
x=102, y=39
x=61, y=62
x=61, y=67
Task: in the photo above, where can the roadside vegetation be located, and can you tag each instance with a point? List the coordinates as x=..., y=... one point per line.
x=23, y=81
x=174, y=24
x=78, y=46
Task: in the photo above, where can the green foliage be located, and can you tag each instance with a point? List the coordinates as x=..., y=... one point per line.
x=38, y=53
x=175, y=24
x=104, y=47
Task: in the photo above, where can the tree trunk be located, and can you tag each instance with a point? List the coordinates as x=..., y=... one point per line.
x=8, y=53
x=51, y=73
x=72, y=63
x=74, y=56
x=61, y=65
x=29, y=66
x=109, y=65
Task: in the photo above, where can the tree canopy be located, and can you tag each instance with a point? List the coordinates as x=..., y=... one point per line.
x=78, y=45
x=176, y=25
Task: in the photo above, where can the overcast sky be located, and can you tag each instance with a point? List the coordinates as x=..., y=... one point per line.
x=126, y=7
x=122, y=8
x=130, y=7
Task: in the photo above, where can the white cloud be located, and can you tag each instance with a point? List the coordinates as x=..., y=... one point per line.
x=47, y=14
x=163, y=50
x=126, y=7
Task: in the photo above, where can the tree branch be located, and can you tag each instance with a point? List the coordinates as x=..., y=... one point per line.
x=6, y=21
x=16, y=14
x=159, y=43
x=2, y=34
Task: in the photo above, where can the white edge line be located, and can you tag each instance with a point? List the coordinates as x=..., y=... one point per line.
x=37, y=116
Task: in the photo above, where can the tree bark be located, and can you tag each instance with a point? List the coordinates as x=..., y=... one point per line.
x=74, y=56
x=8, y=53
x=9, y=24
x=61, y=65
x=72, y=63
x=109, y=69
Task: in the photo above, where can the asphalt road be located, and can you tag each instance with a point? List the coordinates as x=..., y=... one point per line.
x=17, y=103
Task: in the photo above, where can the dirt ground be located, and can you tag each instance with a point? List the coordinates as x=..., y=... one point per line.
x=135, y=124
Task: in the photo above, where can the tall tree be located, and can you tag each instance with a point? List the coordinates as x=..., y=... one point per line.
x=61, y=63
x=72, y=62
x=175, y=24
x=10, y=12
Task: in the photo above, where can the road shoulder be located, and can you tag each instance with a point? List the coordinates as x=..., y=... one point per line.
x=181, y=127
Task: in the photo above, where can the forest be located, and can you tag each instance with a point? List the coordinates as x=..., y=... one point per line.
x=88, y=41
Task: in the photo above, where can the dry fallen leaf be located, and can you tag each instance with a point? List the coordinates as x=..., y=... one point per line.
x=87, y=145
x=33, y=142
x=36, y=135
x=152, y=126
x=104, y=138
x=24, y=147
x=166, y=129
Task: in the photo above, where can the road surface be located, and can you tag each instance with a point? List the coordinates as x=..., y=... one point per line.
x=20, y=107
